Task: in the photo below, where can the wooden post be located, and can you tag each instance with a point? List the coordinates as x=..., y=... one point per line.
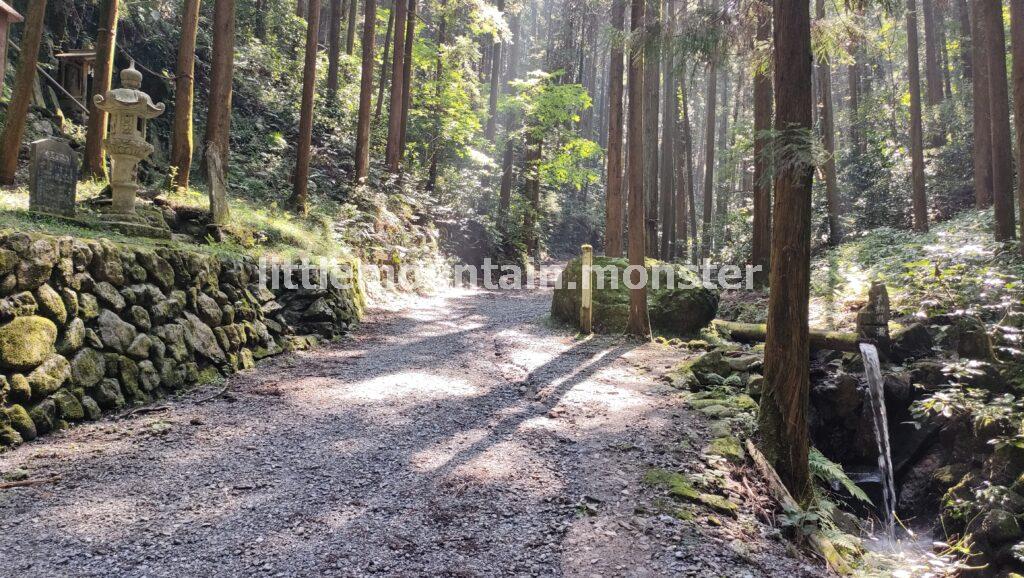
x=587, y=297
x=8, y=16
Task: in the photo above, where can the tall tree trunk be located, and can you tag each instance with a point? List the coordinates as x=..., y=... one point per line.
x=410, y=38
x=982, y=116
x=689, y=205
x=393, y=151
x=218, y=114
x=184, y=86
x=334, y=49
x=709, y=158
x=784, y=403
x=613, y=184
x=966, y=34
x=365, y=91
x=94, y=164
x=1017, y=38
x=828, y=138
x=638, y=323
x=762, y=233
x=350, y=34
x=652, y=96
x=918, y=195
x=25, y=78
x=721, y=187
x=300, y=177
x=435, y=146
x=384, y=63
x=932, y=68
x=492, y=98
x=994, y=40
x=670, y=117
x=530, y=218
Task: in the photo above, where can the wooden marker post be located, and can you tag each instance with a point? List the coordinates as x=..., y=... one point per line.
x=587, y=296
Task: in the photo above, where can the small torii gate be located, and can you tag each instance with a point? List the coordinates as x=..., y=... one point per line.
x=8, y=16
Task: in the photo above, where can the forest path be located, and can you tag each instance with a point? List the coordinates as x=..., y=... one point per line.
x=460, y=435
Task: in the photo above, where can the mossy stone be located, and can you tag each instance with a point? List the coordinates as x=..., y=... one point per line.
x=88, y=367
x=684, y=309
x=21, y=391
x=107, y=394
x=88, y=306
x=25, y=342
x=677, y=484
x=51, y=305
x=22, y=422
x=91, y=408
x=44, y=416
x=50, y=376
x=718, y=503
x=68, y=406
x=74, y=337
x=728, y=447
x=9, y=437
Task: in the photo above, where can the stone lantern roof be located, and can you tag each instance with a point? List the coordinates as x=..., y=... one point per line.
x=128, y=98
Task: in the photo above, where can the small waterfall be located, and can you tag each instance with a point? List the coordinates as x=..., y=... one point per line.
x=876, y=389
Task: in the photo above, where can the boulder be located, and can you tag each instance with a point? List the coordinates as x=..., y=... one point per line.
x=208, y=310
x=21, y=391
x=911, y=342
x=684, y=309
x=70, y=300
x=87, y=368
x=44, y=416
x=22, y=422
x=109, y=296
x=91, y=408
x=140, y=318
x=139, y=349
x=18, y=305
x=51, y=305
x=159, y=271
x=202, y=340
x=149, y=377
x=26, y=341
x=999, y=527
x=36, y=264
x=74, y=337
x=107, y=394
x=88, y=306
x=116, y=334
x=68, y=406
x=50, y=376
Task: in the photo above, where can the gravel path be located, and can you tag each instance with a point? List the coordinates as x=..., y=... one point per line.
x=464, y=435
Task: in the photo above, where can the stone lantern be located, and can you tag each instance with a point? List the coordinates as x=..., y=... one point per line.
x=129, y=109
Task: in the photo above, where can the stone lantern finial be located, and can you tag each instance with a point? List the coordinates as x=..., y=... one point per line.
x=131, y=78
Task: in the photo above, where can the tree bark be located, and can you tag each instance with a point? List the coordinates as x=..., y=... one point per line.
x=435, y=147
x=688, y=228
x=300, y=178
x=393, y=151
x=784, y=404
x=350, y=34
x=982, y=116
x=918, y=195
x=334, y=49
x=184, y=81
x=964, y=17
x=668, y=139
x=652, y=97
x=613, y=184
x=638, y=323
x=94, y=165
x=25, y=78
x=1017, y=38
x=410, y=37
x=365, y=91
x=994, y=39
x=533, y=157
x=384, y=64
x=492, y=98
x=932, y=68
x=218, y=116
x=762, y=228
x=709, y=159
x=828, y=138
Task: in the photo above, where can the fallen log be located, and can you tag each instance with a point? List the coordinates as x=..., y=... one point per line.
x=755, y=333
x=819, y=543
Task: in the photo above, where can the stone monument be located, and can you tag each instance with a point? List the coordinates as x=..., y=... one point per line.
x=129, y=109
x=53, y=178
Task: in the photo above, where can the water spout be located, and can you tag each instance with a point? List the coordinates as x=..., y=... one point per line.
x=876, y=390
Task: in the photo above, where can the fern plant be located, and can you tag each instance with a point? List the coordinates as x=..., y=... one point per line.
x=829, y=472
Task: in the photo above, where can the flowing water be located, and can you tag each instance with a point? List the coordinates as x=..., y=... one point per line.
x=876, y=389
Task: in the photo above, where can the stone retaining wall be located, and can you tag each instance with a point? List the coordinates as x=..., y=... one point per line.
x=92, y=326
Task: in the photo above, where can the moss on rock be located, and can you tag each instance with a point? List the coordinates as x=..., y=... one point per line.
x=22, y=422
x=26, y=342
x=50, y=376
x=684, y=308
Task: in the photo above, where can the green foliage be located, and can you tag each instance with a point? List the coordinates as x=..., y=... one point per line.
x=828, y=472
